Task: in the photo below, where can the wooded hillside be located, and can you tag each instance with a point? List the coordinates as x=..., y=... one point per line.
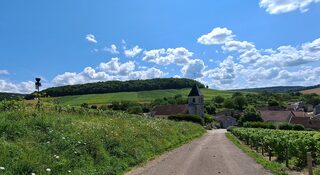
x=122, y=86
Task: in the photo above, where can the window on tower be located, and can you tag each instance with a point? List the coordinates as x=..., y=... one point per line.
x=193, y=100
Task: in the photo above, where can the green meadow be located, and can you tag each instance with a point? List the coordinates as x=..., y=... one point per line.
x=85, y=143
x=141, y=96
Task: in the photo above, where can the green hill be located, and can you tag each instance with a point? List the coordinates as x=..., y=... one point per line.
x=280, y=89
x=141, y=96
x=10, y=96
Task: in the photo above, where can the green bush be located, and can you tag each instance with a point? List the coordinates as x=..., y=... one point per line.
x=285, y=126
x=135, y=110
x=298, y=127
x=186, y=117
x=265, y=125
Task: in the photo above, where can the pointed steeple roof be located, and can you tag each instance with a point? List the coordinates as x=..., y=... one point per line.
x=195, y=91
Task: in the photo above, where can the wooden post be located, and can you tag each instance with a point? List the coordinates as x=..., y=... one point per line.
x=269, y=153
x=287, y=158
x=309, y=160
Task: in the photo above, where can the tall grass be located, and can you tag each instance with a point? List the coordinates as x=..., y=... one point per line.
x=62, y=143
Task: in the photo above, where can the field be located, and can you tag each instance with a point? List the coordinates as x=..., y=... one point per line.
x=141, y=96
x=82, y=141
x=310, y=91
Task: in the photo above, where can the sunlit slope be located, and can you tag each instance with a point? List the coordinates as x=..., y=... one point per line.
x=141, y=96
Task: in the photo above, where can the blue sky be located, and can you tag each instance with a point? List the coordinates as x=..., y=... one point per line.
x=224, y=44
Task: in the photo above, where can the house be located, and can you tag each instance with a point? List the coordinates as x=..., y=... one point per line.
x=225, y=120
x=163, y=111
x=195, y=106
x=306, y=122
x=276, y=116
x=300, y=106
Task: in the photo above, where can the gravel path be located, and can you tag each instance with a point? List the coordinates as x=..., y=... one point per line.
x=212, y=154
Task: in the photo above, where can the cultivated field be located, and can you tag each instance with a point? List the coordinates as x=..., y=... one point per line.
x=311, y=91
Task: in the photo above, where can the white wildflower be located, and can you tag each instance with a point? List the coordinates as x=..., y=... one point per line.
x=2, y=168
x=48, y=169
x=33, y=173
x=69, y=171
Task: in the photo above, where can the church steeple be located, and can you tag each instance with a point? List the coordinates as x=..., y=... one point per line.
x=195, y=91
x=196, y=102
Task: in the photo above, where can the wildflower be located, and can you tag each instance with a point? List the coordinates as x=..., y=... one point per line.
x=63, y=138
x=33, y=173
x=48, y=169
x=69, y=171
x=2, y=168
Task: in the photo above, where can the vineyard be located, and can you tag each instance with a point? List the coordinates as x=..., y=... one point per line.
x=290, y=147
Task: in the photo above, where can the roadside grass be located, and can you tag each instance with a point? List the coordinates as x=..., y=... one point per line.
x=274, y=167
x=140, y=97
x=64, y=143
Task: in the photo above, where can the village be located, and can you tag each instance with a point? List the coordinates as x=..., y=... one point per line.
x=296, y=113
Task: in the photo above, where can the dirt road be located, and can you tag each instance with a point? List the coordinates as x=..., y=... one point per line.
x=213, y=154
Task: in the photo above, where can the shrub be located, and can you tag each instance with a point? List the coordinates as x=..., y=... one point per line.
x=135, y=110
x=250, y=114
x=285, y=126
x=186, y=117
x=210, y=109
x=298, y=127
x=208, y=118
x=265, y=125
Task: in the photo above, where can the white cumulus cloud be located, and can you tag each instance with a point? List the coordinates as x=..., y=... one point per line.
x=216, y=36
x=91, y=38
x=163, y=56
x=4, y=72
x=22, y=87
x=112, y=49
x=132, y=52
x=284, y=6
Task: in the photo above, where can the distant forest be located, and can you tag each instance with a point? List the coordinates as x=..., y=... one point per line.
x=10, y=96
x=278, y=89
x=122, y=86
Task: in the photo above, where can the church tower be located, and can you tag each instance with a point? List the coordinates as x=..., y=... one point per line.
x=196, y=102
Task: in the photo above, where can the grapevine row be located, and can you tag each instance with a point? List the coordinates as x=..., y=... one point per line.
x=285, y=145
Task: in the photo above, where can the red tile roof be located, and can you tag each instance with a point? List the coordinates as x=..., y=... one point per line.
x=306, y=122
x=170, y=110
x=276, y=116
x=299, y=114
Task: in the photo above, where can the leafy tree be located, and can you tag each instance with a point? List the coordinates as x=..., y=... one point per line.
x=236, y=94
x=312, y=99
x=273, y=103
x=218, y=99
x=228, y=103
x=135, y=110
x=239, y=102
x=210, y=109
x=250, y=114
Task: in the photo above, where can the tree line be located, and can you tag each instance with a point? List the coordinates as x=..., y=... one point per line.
x=121, y=86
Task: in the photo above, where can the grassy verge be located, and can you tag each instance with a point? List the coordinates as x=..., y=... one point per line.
x=274, y=167
x=62, y=143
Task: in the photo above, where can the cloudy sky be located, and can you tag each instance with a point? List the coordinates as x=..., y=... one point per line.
x=225, y=44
